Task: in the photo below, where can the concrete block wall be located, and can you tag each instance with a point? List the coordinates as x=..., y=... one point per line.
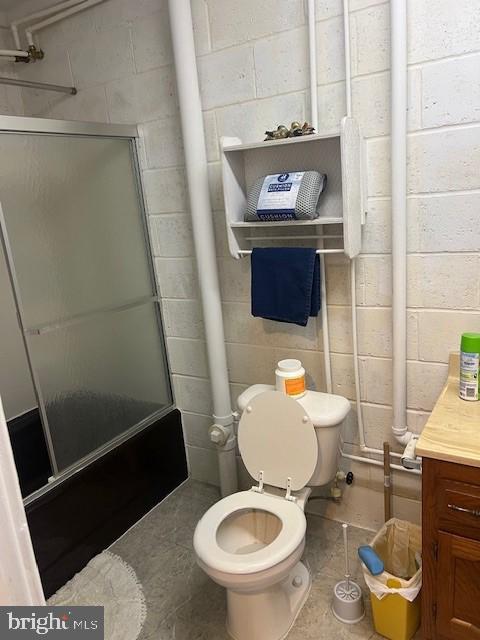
x=253, y=68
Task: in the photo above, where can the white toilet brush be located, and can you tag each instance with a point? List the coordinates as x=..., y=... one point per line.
x=347, y=603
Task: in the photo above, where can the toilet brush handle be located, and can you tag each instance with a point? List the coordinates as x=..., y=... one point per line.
x=345, y=546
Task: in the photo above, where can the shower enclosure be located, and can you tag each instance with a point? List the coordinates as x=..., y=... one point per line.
x=75, y=239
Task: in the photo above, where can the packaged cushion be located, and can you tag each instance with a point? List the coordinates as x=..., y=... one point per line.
x=285, y=196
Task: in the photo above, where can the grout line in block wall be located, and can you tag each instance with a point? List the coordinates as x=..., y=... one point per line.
x=366, y=357
x=369, y=403
x=256, y=100
x=471, y=310
x=163, y=214
x=441, y=194
x=251, y=42
x=420, y=98
x=184, y=375
x=148, y=168
x=467, y=254
x=452, y=56
x=209, y=29
x=370, y=74
x=427, y=131
x=418, y=310
x=254, y=67
x=195, y=413
x=269, y=36
x=199, y=340
x=444, y=127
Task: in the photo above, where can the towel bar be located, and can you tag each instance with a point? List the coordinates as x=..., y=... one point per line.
x=247, y=252
x=327, y=237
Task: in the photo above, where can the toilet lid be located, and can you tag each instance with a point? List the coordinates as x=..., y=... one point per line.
x=277, y=437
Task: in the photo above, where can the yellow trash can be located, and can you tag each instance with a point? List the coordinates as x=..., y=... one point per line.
x=393, y=616
x=395, y=593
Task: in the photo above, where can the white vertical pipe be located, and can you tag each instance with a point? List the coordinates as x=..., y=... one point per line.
x=348, y=70
x=312, y=49
x=353, y=263
x=398, y=21
x=203, y=233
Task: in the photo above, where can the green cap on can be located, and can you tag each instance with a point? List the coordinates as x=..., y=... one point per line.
x=470, y=343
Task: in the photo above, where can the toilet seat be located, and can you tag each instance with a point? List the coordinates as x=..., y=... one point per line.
x=289, y=538
x=277, y=441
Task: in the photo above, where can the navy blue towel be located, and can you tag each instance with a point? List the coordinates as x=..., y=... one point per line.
x=285, y=284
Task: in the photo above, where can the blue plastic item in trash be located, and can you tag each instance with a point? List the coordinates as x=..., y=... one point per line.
x=371, y=559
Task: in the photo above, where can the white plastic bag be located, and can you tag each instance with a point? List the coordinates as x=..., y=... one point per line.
x=396, y=543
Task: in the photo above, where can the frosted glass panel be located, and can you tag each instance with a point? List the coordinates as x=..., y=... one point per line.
x=74, y=224
x=99, y=378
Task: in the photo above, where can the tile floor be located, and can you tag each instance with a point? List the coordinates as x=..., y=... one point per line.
x=184, y=604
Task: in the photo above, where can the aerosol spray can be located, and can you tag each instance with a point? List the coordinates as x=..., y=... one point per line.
x=470, y=366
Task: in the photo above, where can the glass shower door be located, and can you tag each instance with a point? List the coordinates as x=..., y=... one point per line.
x=74, y=233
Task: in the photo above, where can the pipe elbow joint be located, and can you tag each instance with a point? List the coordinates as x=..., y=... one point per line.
x=409, y=459
x=402, y=435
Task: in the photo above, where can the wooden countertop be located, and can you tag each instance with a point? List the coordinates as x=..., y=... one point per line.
x=452, y=432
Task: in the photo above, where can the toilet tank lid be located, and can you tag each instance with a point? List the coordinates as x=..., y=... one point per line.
x=323, y=409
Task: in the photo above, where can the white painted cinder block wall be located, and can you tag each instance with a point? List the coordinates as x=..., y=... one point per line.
x=253, y=68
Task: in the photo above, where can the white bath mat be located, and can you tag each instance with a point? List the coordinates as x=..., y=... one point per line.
x=110, y=582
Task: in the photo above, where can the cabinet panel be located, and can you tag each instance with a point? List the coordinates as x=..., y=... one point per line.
x=458, y=588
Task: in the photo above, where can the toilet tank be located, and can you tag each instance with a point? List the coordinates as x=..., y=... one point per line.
x=327, y=413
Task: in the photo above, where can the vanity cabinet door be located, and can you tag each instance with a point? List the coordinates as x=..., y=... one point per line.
x=458, y=588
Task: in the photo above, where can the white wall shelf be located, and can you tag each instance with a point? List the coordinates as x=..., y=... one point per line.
x=339, y=155
x=289, y=223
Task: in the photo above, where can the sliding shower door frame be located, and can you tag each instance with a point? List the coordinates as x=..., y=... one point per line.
x=41, y=126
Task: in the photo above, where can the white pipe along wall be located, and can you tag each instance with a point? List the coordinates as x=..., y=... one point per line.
x=398, y=22
x=39, y=14
x=312, y=48
x=403, y=438
x=222, y=432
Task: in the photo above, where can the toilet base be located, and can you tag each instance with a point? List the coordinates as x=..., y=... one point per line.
x=271, y=613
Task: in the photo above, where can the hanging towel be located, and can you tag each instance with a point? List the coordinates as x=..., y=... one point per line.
x=285, y=284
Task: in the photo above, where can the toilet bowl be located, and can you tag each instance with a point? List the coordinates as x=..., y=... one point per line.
x=255, y=554
x=252, y=542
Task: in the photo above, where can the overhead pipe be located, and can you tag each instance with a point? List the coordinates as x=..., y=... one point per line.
x=222, y=432
x=52, y=15
x=86, y=4
x=39, y=14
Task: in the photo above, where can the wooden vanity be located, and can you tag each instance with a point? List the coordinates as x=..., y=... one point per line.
x=450, y=447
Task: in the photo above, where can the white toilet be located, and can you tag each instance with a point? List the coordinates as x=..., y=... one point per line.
x=251, y=542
